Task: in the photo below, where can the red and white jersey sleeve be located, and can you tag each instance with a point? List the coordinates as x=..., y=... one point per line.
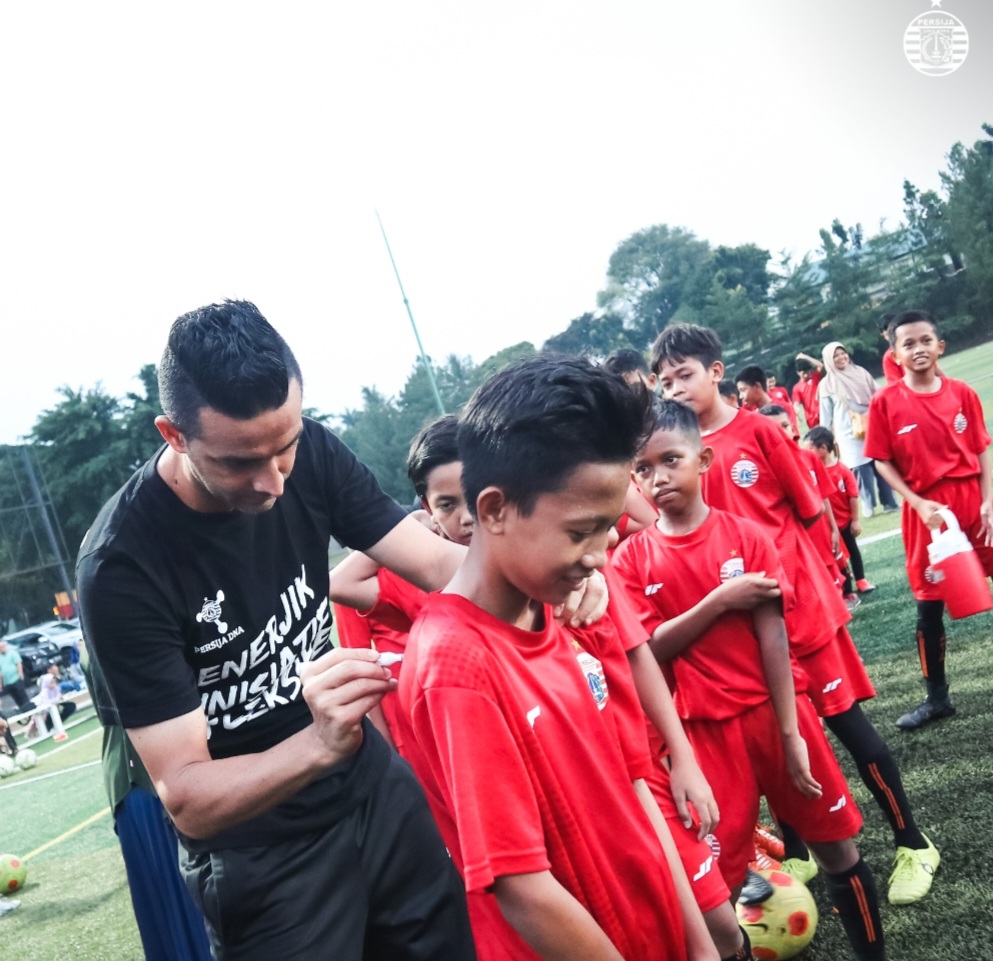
x=843, y=487
x=928, y=437
x=892, y=368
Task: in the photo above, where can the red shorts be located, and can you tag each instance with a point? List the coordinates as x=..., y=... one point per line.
x=743, y=759
x=963, y=497
x=836, y=677
x=698, y=859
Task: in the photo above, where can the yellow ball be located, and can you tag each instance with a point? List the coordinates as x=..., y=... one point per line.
x=783, y=925
x=13, y=873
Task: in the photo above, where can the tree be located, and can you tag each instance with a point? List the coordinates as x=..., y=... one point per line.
x=592, y=335
x=648, y=276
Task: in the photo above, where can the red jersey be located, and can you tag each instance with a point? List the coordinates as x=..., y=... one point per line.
x=720, y=675
x=526, y=743
x=756, y=474
x=805, y=394
x=820, y=532
x=892, y=368
x=842, y=487
x=928, y=437
x=385, y=626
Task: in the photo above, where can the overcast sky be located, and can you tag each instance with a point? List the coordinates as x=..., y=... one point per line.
x=159, y=157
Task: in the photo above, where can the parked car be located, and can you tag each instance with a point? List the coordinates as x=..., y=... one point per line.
x=64, y=634
x=38, y=650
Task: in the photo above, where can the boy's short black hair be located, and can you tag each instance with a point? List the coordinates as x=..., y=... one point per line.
x=674, y=415
x=728, y=388
x=227, y=357
x=910, y=317
x=626, y=360
x=753, y=376
x=679, y=342
x=528, y=427
x=820, y=437
x=802, y=364
x=772, y=410
x=434, y=446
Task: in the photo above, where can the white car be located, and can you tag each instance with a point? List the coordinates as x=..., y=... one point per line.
x=65, y=635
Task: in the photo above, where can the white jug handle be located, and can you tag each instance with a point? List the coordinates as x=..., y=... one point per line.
x=951, y=522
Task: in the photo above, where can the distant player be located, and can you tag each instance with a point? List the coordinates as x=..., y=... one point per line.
x=756, y=474
x=844, y=497
x=706, y=584
x=752, y=390
x=526, y=735
x=929, y=440
x=810, y=370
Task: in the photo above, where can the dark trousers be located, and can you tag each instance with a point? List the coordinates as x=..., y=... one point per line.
x=854, y=554
x=169, y=924
x=377, y=885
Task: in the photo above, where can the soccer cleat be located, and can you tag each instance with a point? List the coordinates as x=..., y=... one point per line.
x=803, y=869
x=913, y=873
x=766, y=841
x=852, y=601
x=755, y=890
x=925, y=712
x=863, y=586
x=763, y=861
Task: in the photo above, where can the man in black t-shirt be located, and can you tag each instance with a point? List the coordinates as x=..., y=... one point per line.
x=203, y=591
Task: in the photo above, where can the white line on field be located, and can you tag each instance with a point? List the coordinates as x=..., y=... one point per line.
x=42, y=777
x=877, y=537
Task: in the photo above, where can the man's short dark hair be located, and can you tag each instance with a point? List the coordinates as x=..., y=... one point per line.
x=753, y=376
x=434, y=446
x=674, y=415
x=626, y=360
x=910, y=317
x=679, y=342
x=820, y=437
x=532, y=424
x=728, y=388
x=227, y=357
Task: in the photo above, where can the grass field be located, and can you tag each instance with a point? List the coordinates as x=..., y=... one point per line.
x=76, y=905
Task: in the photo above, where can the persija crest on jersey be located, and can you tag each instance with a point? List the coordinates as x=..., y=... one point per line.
x=744, y=472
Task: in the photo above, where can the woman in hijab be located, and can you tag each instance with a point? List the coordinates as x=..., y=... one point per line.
x=844, y=395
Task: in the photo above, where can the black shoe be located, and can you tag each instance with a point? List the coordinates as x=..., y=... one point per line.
x=926, y=712
x=755, y=890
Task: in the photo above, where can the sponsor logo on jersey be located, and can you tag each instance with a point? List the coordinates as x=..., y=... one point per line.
x=842, y=802
x=732, y=567
x=533, y=715
x=704, y=868
x=813, y=476
x=744, y=472
x=906, y=430
x=832, y=685
x=960, y=423
x=653, y=589
x=595, y=678
x=210, y=613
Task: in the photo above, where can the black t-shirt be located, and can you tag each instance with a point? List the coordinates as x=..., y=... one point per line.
x=184, y=609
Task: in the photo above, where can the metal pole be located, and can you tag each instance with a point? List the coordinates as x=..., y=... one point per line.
x=417, y=336
x=46, y=520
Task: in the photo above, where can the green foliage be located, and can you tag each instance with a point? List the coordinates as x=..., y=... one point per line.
x=593, y=335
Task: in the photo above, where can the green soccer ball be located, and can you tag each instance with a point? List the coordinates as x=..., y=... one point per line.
x=26, y=759
x=7, y=765
x=13, y=873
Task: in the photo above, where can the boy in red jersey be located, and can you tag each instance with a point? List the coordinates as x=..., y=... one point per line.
x=930, y=443
x=526, y=735
x=706, y=585
x=844, y=498
x=376, y=607
x=755, y=474
x=754, y=394
x=810, y=371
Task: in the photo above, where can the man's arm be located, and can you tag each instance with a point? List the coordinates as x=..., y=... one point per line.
x=204, y=796
x=355, y=582
x=551, y=920
x=687, y=780
x=770, y=629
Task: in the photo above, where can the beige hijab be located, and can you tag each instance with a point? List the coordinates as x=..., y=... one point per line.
x=853, y=384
